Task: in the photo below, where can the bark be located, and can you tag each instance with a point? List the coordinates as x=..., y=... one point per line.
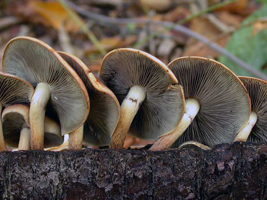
x=237, y=171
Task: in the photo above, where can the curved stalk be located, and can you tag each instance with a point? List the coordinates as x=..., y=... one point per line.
x=76, y=139
x=191, y=109
x=129, y=108
x=2, y=140
x=37, y=115
x=243, y=134
x=24, y=139
x=197, y=144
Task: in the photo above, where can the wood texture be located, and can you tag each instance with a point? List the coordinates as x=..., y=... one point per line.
x=237, y=171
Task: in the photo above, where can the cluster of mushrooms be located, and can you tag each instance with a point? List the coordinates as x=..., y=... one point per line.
x=46, y=94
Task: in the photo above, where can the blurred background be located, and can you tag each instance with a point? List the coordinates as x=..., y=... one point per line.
x=91, y=28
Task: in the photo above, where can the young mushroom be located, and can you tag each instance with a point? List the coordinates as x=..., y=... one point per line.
x=217, y=103
x=147, y=91
x=17, y=132
x=194, y=143
x=256, y=128
x=104, y=113
x=55, y=83
x=12, y=90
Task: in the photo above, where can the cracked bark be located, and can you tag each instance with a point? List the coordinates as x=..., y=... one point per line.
x=237, y=171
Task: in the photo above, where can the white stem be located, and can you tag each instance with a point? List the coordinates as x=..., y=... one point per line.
x=192, y=107
x=76, y=139
x=2, y=140
x=129, y=108
x=37, y=115
x=243, y=134
x=24, y=139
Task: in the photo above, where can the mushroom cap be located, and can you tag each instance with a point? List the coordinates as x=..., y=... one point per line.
x=104, y=113
x=16, y=117
x=13, y=119
x=224, y=101
x=14, y=90
x=257, y=90
x=37, y=62
x=163, y=106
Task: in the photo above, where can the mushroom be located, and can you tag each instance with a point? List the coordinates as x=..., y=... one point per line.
x=147, y=91
x=197, y=144
x=12, y=90
x=217, y=103
x=104, y=113
x=255, y=130
x=16, y=128
x=54, y=81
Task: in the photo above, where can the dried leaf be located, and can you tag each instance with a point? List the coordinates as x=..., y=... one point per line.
x=111, y=43
x=157, y=5
x=230, y=19
x=203, y=27
x=258, y=26
x=55, y=14
x=252, y=48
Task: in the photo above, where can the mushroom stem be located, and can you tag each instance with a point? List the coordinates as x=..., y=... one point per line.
x=24, y=139
x=76, y=139
x=197, y=144
x=243, y=134
x=37, y=115
x=2, y=140
x=129, y=108
x=191, y=109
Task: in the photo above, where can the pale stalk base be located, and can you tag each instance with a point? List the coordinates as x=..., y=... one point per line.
x=243, y=134
x=129, y=108
x=37, y=115
x=2, y=139
x=191, y=109
x=24, y=139
x=202, y=146
x=76, y=139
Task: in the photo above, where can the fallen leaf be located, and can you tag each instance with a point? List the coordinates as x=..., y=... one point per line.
x=157, y=5
x=55, y=15
x=111, y=43
x=234, y=7
x=258, y=26
x=251, y=48
x=177, y=14
x=230, y=19
x=204, y=27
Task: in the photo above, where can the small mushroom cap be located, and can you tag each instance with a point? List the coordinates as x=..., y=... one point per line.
x=16, y=117
x=224, y=101
x=36, y=62
x=14, y=90
x=163, y=106
x=257, y=90
x=104, y=112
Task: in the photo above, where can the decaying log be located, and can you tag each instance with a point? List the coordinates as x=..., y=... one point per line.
x=237, y=171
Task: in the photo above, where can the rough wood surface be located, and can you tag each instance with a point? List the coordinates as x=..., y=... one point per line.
x=237, y=171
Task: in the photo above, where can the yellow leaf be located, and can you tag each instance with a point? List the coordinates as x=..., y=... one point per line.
x=259, y=26
x=55, y=14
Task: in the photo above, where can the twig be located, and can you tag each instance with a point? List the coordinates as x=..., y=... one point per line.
x=101, y=19
x=189, y=18
x=84, y=28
